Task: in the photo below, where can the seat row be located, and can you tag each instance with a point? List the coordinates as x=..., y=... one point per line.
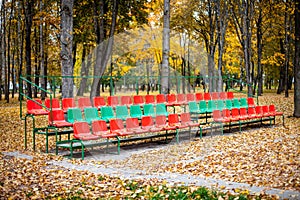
x=36, y=107
x=203, y=107
x=242, y=115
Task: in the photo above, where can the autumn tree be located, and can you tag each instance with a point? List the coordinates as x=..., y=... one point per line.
x=297, y=61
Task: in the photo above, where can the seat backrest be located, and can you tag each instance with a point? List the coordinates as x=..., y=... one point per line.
x=207, y=96
x=160, y=120
x=149, y=110
x=214, y=95
x=160, y=98
x=217, y=114
x=107, y=112
x=149, y=98
x=99, y=102
x=126, y=100
x=98, y=126
x=74, y=114
x=147, y=121
x=135, y=111
x=199, y=97
x=202, y=106
x=193, y=107
x=122, y=112
x=230, y=95
x=54, y=102
x=223, y=95
x=173, y=119
x=138, y=99
x=132, y=123
x=244, y=102
x=81, y=128
x=258, y=109
x=185, y=117
x=243, y=112
x=91, y=114
x=171, y=98
x=228, y=104
x=112, y=100
x=250, y=101
x=251, y=111
x=33, y=104
x=220, y=104
x=236, y=103
x=190, y=97
x=211, y=105
x=265, y=109
x=68, y=103
x=272, y=108
x=84, y=102
x=116, y=124
x=56, y=115
x=235, y=112
x=161, y=109
x=181, y=98
x=226, y=113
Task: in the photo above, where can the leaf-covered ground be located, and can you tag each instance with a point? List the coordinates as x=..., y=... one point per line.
x=267, y=157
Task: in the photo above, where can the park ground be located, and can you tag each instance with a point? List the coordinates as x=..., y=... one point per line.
x=258, y=157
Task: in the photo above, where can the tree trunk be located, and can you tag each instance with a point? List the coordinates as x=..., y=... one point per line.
x=166, y=49
x=259, y=52
x=85, y=64
x=66, y=47
x=104, y=49
x=20, y=47
x=36, y=64
x=28, y=6
x=297, y=61
x=42, y=54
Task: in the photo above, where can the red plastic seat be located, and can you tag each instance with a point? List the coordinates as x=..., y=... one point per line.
x=132, y=125
x=82, y=131
x=84, y=102
x=207, y=96
x=34, y=107
x=161, y=98
x=171, y=99
x=190, y=97
x=251, y=102
x=186, y=120
x=99, y=128
x=199, y=97
x=214, y=95
x=181, y=100
x=235, y=115
x=273, y=111
x=148, y=124
x=173, y=122
x=68, y=103
x=99, y=102
x=265, y=111
x=160, y=122
x=126, y=101
x=117, y=127
x=244, y=113
x=150, y=99
x=252, y=113
x=258, y=111
x=138, y=99
x=54, y=103
x=56, y=118
x=226, y=113
x=113, y=101
x=223, y=95
x=230, y=95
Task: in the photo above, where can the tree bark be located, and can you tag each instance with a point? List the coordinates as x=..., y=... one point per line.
x=259, y=51
x=66, y=39
x=85, y=66
x=42, y=56
x=297, y=61
x=166, y=49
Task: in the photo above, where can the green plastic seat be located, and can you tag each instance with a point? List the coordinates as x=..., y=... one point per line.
x=135, y=111
x=202, y=106
x=107, y=113
x=228, y=104
x=211, y=106
x=91, y=114
x=161, y=109
x=220, y=104
x=149, y=110
x=243, y=103
x=194, y=107
x=236, y=103
x=122, y=112
x=74, y=115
